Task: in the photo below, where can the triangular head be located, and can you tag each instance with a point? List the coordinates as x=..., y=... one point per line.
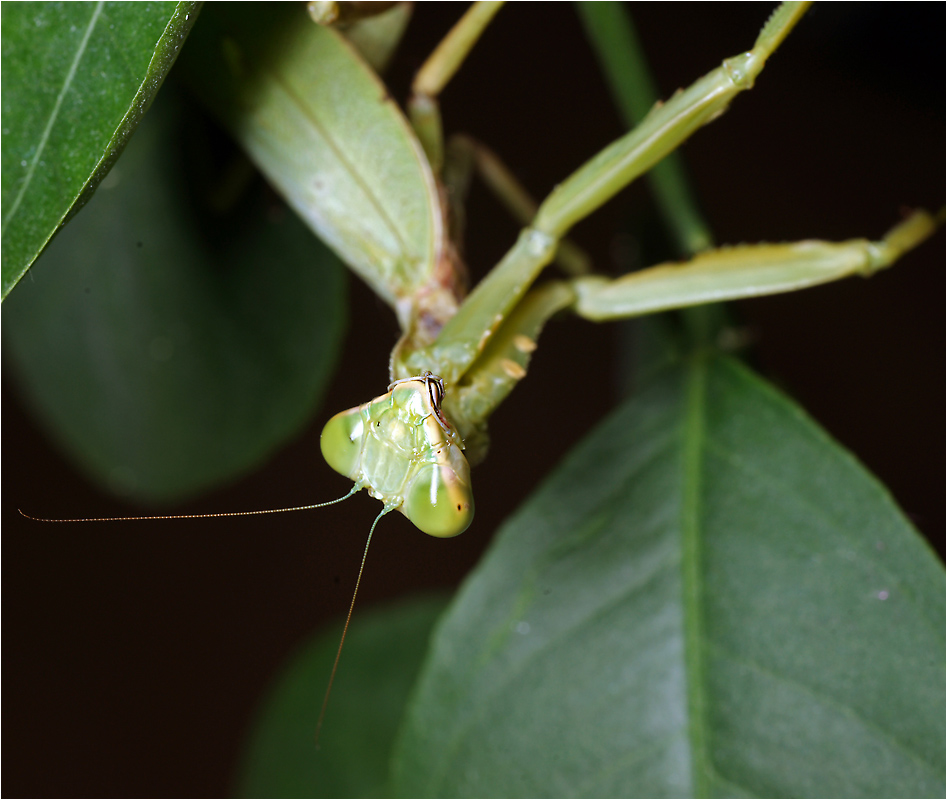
x=402, y=449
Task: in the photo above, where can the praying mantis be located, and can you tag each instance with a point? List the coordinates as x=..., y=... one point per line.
x=296, y=125
x=381, y=379
x=479, y=346
x=468, y=405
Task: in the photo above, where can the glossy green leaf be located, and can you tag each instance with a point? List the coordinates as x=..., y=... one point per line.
x=709, y=597
x=321, y=127
x=380, y=662
x=77, y=78
x=168, y=346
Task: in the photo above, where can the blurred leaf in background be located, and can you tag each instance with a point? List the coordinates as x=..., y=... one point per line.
x=382, y=657
x=183, y=325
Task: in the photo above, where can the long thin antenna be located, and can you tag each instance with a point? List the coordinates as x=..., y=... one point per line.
x=354, y=489
x=345, y=629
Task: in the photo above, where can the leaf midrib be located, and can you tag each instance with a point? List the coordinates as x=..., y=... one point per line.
x=73, y=68
x=693, y=433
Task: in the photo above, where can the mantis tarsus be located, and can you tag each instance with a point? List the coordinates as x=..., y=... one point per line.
x=764, y=88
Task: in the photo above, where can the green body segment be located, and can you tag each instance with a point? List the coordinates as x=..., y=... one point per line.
x=400, y=448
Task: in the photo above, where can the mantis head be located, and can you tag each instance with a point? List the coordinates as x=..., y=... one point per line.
x=401, y=448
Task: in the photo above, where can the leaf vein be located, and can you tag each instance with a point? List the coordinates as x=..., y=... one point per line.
x=760, y=473
x=693, y=445
x=67, y=83
x=827, y=699
x=516, y=669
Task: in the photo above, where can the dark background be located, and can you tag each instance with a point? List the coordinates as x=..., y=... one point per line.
x=136, y=652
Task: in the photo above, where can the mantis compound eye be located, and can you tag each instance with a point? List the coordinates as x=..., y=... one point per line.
x=341, y=443
x=439, y=501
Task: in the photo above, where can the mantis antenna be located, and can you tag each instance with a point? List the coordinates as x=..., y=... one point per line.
x=367, y=443
x=357, y=487
x=345, y=628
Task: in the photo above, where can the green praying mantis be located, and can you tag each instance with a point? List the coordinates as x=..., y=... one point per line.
x=474, y=348
x=459, y=356
x=306, y=104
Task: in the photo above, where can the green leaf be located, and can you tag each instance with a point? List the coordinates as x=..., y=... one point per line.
x=320, y=125
x=709, y=597
x=77, y=78
x=380, y=662
x=168, y=345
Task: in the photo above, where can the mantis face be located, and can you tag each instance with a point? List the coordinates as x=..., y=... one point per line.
x=402, y=449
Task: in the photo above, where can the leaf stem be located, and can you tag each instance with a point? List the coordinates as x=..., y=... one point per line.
x=621, y=57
